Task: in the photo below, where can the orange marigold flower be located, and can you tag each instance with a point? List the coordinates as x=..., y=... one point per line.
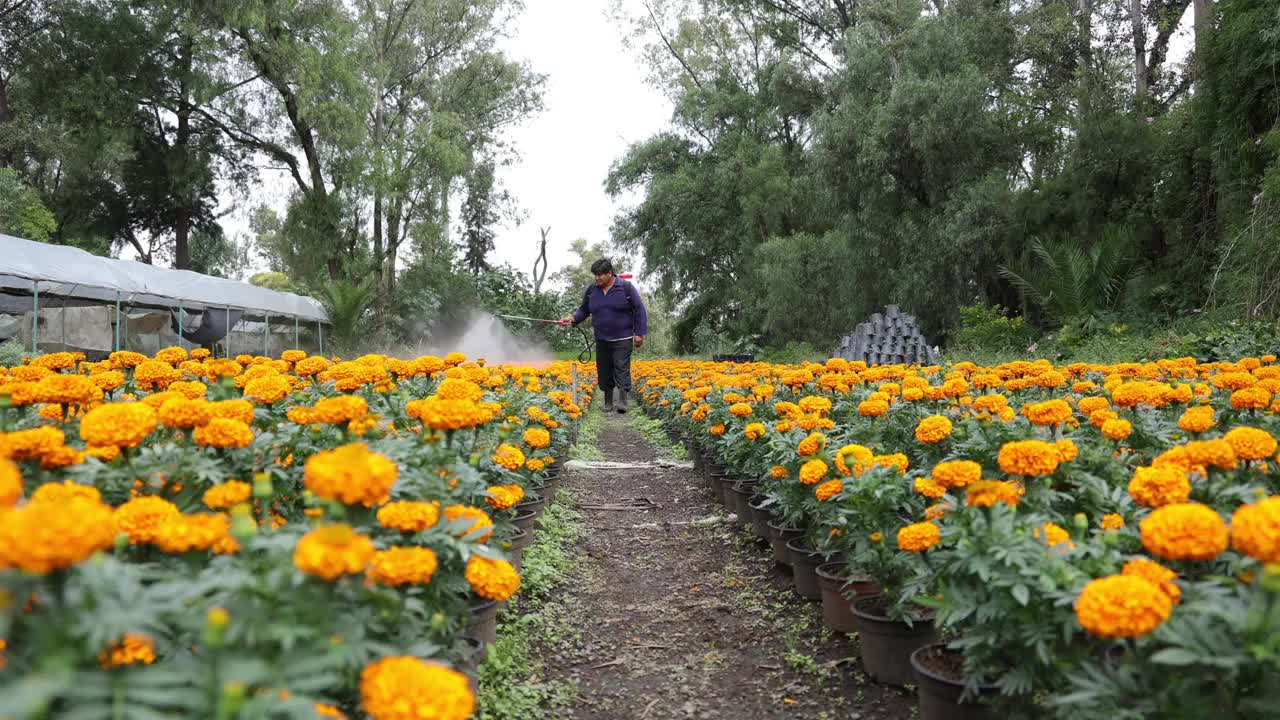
x=1186, y=531
x=1054, y=535
x=476, y=518
x=492, y=579
x=293, y=356
x=223, y=433
x=986, y=493
x=1049, y=413
x=331, y=551
x=1155, y=487
x=740, y=409
x=124, y=424
x=813, y=471
x=717, y=429
x=55, y=529
x=1255, y=530
x=132, y=649
x=406, y=688
x=1212, y=453
x=172, y=355
x=67, y=390
x=504, y=497
x=937, y=511
x=227, y=495
x=142, y=516
x=1251, y=443
x=154, y=374
x=930, y=488
x=828, y=490
x=812, y=444
x=918, y=537
x=10, y=484
x=509, y=457
x=1122, y=606
x=778, y=472
x=241, y=410
x=956, y=473
x=183, y=413
x=351, y=474
x=1196, y=419
x=409, y=516
x=1117, y=429
x=403, y=566
x=754, y=431
x=1029, y=458
x=873, y=408
x=933, y=429
x=1112, y=521
x=268, y=389
x=537, y=438
x=1159, y=575
x=181, y=533
x=814, y=404
x=1252, y=398
x=1090, y=405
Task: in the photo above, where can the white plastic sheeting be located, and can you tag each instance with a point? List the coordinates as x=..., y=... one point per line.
x=66, y=271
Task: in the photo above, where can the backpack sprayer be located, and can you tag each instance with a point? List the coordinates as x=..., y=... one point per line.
x=588, y=343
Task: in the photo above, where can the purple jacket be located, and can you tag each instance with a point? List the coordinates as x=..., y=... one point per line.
x=618, y=315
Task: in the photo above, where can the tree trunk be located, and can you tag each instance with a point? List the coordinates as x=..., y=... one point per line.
x=444, y=208
x=1085, y=10
x=1139, y=25
x=1202, y=22
x=394, y=210
x=182, y=148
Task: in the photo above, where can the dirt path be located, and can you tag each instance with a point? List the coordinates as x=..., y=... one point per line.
x=666, y=619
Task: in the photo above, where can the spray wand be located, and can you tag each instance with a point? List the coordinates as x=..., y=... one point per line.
x=587, y=342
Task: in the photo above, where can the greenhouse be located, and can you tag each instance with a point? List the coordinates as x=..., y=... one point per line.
x=57, y=297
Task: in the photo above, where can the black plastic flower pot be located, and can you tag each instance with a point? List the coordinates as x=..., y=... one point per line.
x=940, y=687
x=886, y=644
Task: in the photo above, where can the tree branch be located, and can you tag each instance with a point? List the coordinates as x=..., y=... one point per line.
x=657, y=26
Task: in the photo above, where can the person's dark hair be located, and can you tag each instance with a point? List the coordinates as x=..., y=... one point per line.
x=601, y=266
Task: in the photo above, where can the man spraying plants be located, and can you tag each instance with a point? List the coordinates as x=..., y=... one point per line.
x=620, y=325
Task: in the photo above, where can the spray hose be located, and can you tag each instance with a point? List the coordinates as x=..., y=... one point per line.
x=588, y=343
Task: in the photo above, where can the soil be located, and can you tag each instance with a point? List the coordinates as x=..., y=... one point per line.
x=943, y=663
x=672, y=612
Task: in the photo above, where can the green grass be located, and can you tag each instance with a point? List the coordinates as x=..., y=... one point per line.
x=512, y=679
x=587, y=447
x=651, y=429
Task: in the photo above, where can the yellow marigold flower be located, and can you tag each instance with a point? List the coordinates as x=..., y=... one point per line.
x=1049, y=413
x=1122, y=606
x=812, y=444
x=717, y=429
x=985, y=493
x=862, y=459
x=1090, y=405
x=918, y=537
x=1186, y=531
x=813, y=471
x=1112, y=521
x=351, y=474
x=1251, y=443
x=331, y=551
x=1234, y=380
x=535, y=464
x=754, y=431
x=930, y=488
x=191, y=390
x=1158, y=486
x=67, y=390
x=154, y=374
x=123, y=425
x=227, y=495
x=55, y=529
x=896, y=461
x=1212, y=453
x=458, y=389
x=740, y=410
x=492, y=579
x=509, y=457
x=828, y=490
x=132, y=649
x=311, y=366
x=537, y=438
x=55, y=361
x=784, y=426
x=409, y=516
x=477, y=520
x=223, y=433
x=406, y=688
x=1159, y=575
x=777, y=472
x=504, y=497
x=786, y=409
x=403, y=566
x=106, y=453
x=141, y=517
x=1255, y=530
x=31, y=444
x=1029, y=458
x=762, y=392
x=873, y=408
x=293, y=356
x=956, y=473
x=172, y=355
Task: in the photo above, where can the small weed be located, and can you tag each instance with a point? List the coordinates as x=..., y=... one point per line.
x=587, y=446
x=653, y=432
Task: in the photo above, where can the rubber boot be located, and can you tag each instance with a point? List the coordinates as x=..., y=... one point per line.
x=622, y=401
x=608, y=400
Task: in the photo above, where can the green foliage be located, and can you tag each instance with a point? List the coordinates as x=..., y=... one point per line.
x=347, y=305
x=792, y=352
x=992, y=328
x=655, y=434
x=22, y=212
x=587, y=445
x=272, y=281
x=11, y=353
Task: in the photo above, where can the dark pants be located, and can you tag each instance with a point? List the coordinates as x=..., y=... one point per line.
x=613, y=364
